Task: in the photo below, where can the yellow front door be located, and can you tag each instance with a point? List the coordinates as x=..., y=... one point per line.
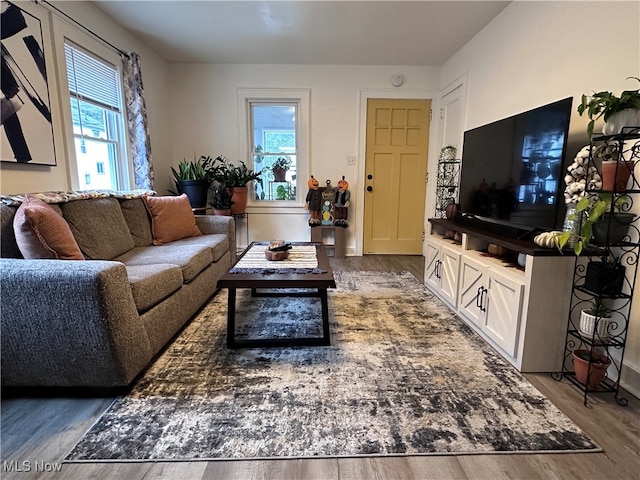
x=395, y=175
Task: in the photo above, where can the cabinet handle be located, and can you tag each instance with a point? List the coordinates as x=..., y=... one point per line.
x=480, y=299
x=484, y=302
x=438, y=263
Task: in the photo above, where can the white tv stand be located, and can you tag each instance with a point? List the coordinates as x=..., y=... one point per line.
x=520, y=312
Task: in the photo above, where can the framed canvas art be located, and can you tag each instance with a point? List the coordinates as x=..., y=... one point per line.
x=27, y=130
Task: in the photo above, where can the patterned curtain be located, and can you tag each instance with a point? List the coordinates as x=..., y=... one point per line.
x=137, y=122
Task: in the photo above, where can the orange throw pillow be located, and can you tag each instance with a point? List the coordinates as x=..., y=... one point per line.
x=41, y=232
x=171, y=219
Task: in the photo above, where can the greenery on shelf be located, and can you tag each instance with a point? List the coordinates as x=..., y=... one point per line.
x=604, y=104
x=221, y=198
x=591, y=208
x=597, y=308
x=194, y=170
x=282, y=162
x=221, y=170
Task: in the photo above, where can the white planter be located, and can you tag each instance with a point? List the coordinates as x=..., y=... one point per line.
x=588, y=323
x=624, y=118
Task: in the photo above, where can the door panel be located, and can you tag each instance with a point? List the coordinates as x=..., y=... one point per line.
x=396, y=160
x=449, y=275
x=471, y=280
x=503, y=311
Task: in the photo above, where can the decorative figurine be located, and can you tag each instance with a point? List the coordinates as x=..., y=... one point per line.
x=328, y=194
x=342, y=202
x=313, y=201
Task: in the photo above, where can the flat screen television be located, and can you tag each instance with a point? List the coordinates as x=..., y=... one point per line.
x=513, y=169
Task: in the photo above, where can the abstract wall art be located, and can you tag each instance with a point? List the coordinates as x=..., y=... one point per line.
x=27, y=129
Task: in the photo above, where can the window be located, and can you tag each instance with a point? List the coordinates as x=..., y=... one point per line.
x=277, y=145
x=274, y=149
x=97, y=117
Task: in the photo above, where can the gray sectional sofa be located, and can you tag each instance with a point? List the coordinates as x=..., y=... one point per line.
x=98, y=322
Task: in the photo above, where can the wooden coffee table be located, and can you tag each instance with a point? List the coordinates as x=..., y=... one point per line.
x=316, y=284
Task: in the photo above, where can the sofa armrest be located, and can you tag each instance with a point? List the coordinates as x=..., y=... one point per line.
x=219, y=224
x=69, y=323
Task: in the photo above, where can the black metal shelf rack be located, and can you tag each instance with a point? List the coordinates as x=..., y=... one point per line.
x=612, y=341
x=446, y=185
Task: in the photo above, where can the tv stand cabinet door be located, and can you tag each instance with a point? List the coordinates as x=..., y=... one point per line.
x=504, y=305
x=432, y=261
x=449, y=263
x=471, y=283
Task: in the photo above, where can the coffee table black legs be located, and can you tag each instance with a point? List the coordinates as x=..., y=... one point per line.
x=325, y=340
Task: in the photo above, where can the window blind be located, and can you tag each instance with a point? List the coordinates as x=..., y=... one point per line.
x=92, y=79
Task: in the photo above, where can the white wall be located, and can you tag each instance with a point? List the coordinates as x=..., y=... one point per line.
x=537, y=52
x=31, y=178
x=205, y=106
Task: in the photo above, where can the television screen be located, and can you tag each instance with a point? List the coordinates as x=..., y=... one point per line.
x=512, y=169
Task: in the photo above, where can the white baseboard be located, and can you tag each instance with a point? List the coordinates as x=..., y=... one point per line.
x=630, y=379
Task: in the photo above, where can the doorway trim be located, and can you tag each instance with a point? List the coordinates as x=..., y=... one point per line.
x=365, y=94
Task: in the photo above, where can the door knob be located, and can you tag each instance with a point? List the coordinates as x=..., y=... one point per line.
x=369, y=188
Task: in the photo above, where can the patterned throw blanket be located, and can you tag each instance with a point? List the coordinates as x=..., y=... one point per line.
x=302, y=259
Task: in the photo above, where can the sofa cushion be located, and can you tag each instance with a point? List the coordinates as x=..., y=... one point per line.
x=218, y=243
x=137, y=218
x=171, y=219
x=150, y=284
x=99, y=227
x=41, y=232
x=192, y=259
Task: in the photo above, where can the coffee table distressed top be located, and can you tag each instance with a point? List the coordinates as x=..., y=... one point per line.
x=286, y=279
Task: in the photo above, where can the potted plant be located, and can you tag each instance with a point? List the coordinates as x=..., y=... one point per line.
x=595, y=321
x=239, y=177
x=615, y=111
x=604, y=277
x=191, y=179
x=590, y=366
x=601, y=218
x=221, y=199
x=220, y=170
x=280, y=167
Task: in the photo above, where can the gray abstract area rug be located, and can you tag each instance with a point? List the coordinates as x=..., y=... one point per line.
x=403, y=376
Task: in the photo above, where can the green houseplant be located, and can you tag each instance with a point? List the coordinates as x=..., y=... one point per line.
x=221, y=200
x=605, y=104
x=595, y=321
x=191, y=179
x=280, y=168
x=220, y=170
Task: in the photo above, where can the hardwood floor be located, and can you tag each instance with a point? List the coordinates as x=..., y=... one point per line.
x=38, y=432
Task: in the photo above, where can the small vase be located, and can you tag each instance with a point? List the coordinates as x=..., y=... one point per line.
x=451, y=209
x=222, y=212
x=572, y=224
x=624, y=118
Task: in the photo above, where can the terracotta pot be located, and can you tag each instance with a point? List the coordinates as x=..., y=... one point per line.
x=590, y=374
x=239, y=199
x=615, y=175
x=279, y=175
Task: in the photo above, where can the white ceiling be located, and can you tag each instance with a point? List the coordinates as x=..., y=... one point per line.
x=425, y=33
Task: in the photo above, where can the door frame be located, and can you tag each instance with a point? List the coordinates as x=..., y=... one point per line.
x=364, y=95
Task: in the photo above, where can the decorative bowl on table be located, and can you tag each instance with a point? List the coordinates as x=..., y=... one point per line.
x=277, y=250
